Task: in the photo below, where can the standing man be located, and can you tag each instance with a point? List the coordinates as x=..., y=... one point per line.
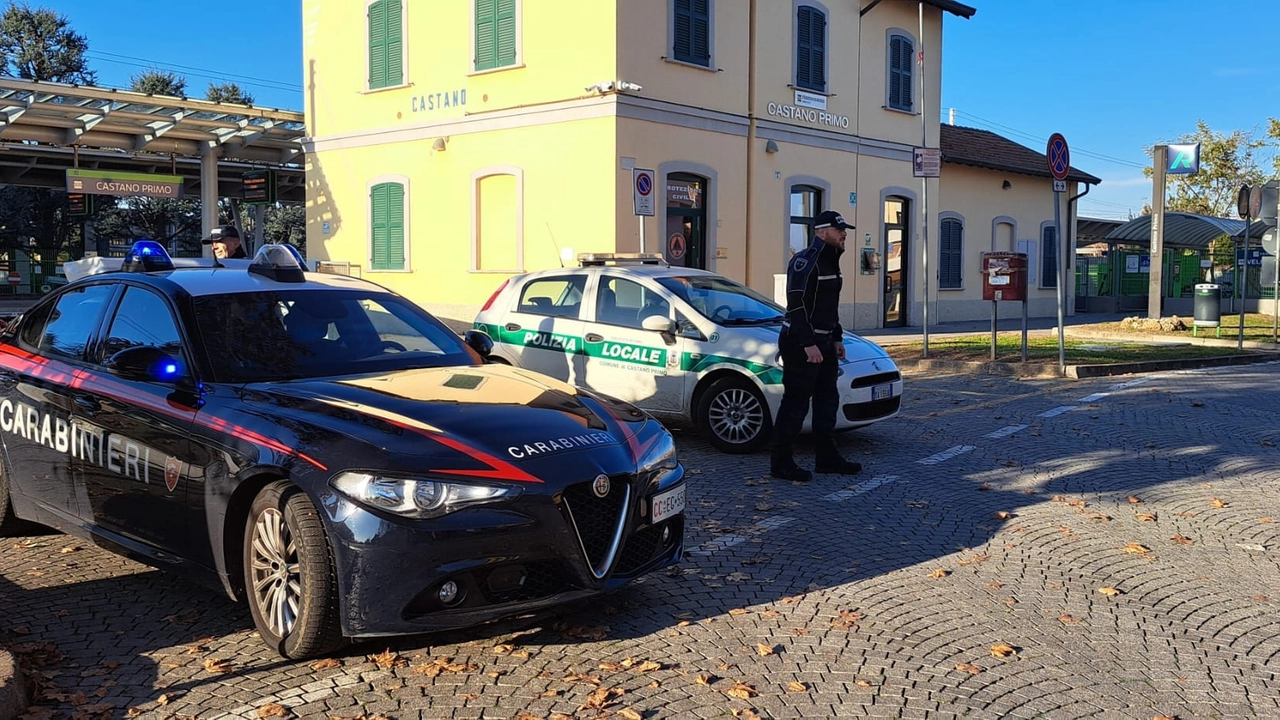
x=225, y=240
x=811, y=342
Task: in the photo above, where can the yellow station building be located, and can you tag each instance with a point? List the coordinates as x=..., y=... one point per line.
x=453, y=143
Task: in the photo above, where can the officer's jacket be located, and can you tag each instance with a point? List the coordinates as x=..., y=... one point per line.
x=813, y=295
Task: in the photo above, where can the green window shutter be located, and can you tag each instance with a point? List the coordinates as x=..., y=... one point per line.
x=506, y=33
x=486, y=34
x=395, y=226
x=378, y=45
x=387, y=226
x=682, y=43
x=395, y=44
x=952, y=252
x=811, y=52
x=1049, y=258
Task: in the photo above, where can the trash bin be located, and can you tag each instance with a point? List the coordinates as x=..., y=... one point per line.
x=1208, y=305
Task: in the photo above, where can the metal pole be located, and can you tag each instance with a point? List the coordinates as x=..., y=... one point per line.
x=1154, y=281
x=1024, y=331
x=924, y=181
x=1240, y=279
x=1062, y=280
x=642, y=233
x=1275, y=298
x=994, y=306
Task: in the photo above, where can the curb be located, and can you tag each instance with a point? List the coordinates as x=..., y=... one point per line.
x=1076, y=372
x=13, y=691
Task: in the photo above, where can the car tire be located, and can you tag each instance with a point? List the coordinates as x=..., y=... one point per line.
x=289, y=575
x=10, y=525
x=734, y=416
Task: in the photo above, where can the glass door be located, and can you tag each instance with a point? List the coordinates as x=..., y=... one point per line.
x=895, y=262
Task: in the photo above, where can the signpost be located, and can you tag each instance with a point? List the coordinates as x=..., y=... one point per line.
x=79, y=204
x=258, y=187
x=642, y=198
x=1059, y=155
x=1248, y=203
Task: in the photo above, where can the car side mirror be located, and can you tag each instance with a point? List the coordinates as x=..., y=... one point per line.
x=479, y=341
x=145, y=363
x=659, y=323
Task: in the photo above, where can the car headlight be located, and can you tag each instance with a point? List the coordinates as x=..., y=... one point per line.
x=660, y=456
x=417, y=497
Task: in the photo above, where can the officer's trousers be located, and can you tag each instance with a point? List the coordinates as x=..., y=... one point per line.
x=803, y=382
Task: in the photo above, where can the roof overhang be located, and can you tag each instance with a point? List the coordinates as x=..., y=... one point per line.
x=1183, y=230
x=955, y=8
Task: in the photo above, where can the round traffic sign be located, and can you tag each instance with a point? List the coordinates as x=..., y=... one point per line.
x=1059, y=156
x=644, y=184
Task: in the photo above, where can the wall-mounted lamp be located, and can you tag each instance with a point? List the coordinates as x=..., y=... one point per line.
x=1007, y=185
x=771, y=147
x=439, y=145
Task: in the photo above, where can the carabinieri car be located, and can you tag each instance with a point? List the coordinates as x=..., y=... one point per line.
x=322, y=448
x=677, y=342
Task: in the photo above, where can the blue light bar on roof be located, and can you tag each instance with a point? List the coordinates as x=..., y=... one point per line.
x=147, y=256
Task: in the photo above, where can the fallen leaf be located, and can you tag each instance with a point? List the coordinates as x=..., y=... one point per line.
x=1261, y=520
x=862, y=683
x=1146, y=517
x=325, y=664
x=1109, y=591
x=609, y=666
x=742, y=691
x=648, y=666
x=1068, y=618
x=470, y=696
x=847, y=619
x=1218, y=503
x=1134, y=499
x=1003, y=515
x=683, y=623
x=1182, y=539
x=214, y=665
x=1168, y=717
x=1101, y=517
x=1260, y=598
x=969, y=668
x=133, y=712
x=387, y=659
x=163, y=699
x=770, y=614
x=503, y=649
x=995, y=584
x=442, y=665
x=973, y=559
x=601, y=698
x=799, y=632
x=1137, y=548
x=705, y=679
x=794, y=686
x=271, y=710
x=630, y=714
x=739, y=611
x=764, y=650
x=1002, y=650
x=939, y=574
x=552, y=693
x=70, y=549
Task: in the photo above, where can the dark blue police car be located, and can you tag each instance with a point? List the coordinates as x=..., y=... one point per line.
x=322, y=448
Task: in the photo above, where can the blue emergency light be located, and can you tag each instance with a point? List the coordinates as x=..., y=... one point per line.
x=281, y=262
x=146, y=256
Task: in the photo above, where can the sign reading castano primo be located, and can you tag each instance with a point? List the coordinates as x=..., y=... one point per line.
x=110, y=182
x=795, y=113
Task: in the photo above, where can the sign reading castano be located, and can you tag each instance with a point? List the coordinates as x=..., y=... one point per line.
x=795, y=113
x=109, y=182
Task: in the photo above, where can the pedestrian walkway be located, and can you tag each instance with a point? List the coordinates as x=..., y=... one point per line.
x=1041, y=325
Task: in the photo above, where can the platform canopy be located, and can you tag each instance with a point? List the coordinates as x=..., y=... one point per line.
x=48, y=128
x=1183, y=230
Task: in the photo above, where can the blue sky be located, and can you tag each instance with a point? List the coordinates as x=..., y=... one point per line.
x=1113, y=76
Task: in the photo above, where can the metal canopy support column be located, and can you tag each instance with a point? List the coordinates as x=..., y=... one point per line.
x=208, y=193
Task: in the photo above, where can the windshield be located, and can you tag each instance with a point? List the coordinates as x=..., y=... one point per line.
x=293, y=334
x=724, y=301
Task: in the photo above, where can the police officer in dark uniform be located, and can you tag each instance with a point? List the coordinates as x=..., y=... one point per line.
x=811, y=343
x=225, y=240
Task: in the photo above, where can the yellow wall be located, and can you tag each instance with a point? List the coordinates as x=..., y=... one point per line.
x=568, y=201
x=561, y=54
x=875, y=119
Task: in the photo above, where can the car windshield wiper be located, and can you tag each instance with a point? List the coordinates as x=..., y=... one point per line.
x=754, y=321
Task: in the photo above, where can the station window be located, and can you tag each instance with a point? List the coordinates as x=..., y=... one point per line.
x=806, y=202
x=1048, y=257
x=496, y=34
x=901, y=62
x=811, y=48
x=951, y=250
x=691, y=30
x=386, y=231
x=386, y=44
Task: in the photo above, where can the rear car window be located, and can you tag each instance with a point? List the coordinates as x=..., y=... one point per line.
x=559, y=296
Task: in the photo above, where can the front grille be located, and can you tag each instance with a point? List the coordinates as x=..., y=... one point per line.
x=518, y=583
x=870, y=380
x=596, y=519
x=872, y=410
x=643, y=546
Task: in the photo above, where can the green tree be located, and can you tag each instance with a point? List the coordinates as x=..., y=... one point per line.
x=39, y=44
x=286, y=224
x=228, y=92
x=159, y=82
x=1226, y=162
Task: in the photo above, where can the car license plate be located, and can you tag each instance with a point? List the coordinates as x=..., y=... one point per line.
x=880, y=392
x=668, y=504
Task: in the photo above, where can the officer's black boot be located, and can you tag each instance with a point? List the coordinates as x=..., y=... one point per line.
x=830, y=461
x=783, y=467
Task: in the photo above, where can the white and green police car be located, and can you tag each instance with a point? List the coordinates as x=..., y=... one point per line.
x=676, y=342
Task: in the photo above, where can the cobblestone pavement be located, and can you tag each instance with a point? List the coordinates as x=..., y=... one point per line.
x=1045, y=548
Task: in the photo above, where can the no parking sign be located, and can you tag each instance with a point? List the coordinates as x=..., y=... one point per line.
x=642, y=182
